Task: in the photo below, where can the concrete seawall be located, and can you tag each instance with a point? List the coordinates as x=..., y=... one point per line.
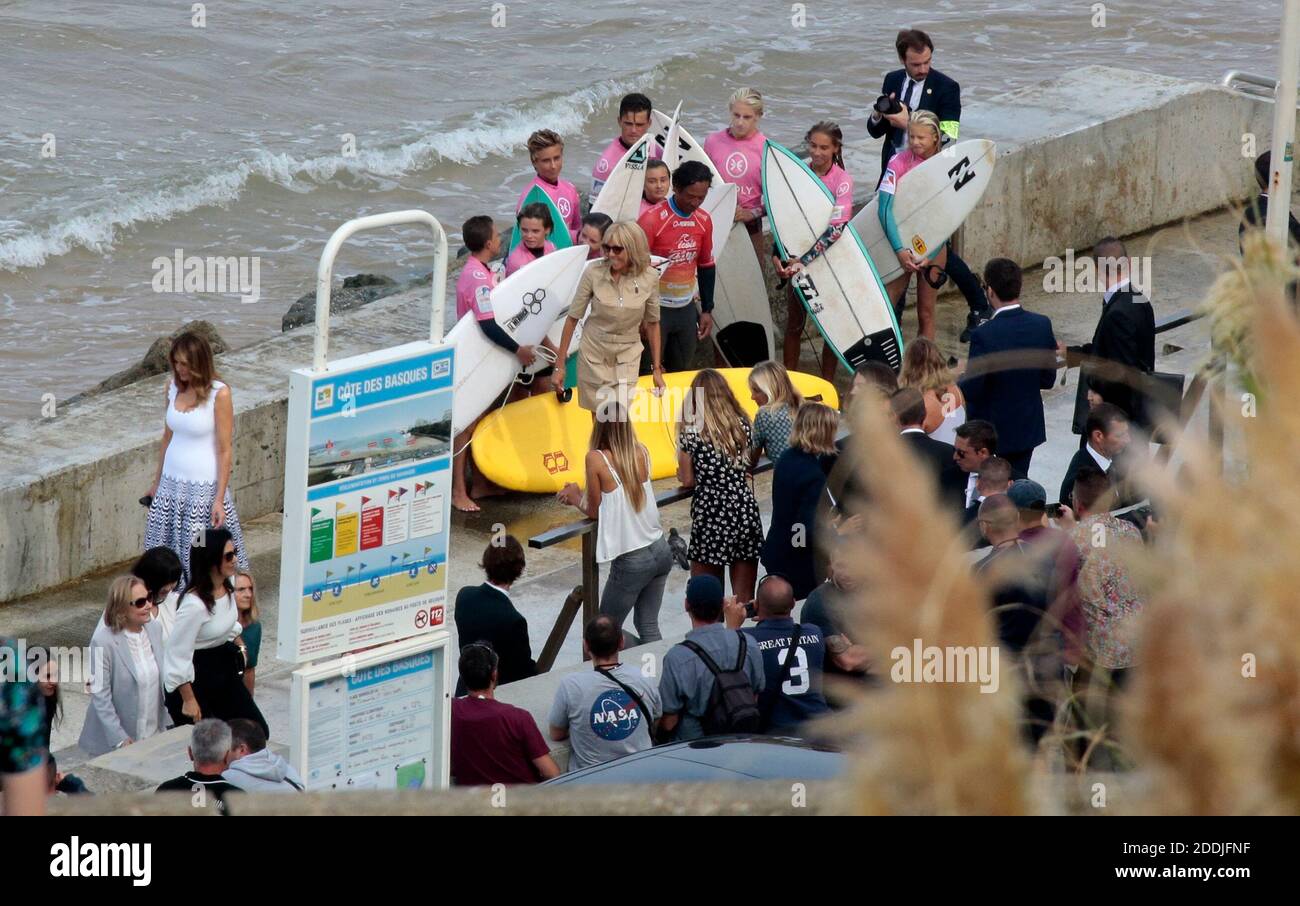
x=1079, y=157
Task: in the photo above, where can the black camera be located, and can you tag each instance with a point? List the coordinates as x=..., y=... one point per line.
x=887, y=106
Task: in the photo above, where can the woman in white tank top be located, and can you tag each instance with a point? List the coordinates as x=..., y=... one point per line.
x=191, y=490
x=621, y=498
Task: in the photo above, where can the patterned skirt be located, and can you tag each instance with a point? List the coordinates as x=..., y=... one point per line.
x=181, y=510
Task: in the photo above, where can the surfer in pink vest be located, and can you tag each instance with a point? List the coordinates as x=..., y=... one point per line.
x=474, y=295
x=657, y=182
x=535, y=225
x=546, y=151
x=923, y=141
x=825, y=142
x=633, y=122
x=737, y=153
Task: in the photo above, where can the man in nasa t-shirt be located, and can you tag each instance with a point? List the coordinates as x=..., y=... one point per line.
x=600, y=718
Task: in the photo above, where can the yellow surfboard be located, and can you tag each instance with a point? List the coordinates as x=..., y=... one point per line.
x=540, y=444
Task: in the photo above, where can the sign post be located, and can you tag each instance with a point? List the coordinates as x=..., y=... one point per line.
x=363, y=564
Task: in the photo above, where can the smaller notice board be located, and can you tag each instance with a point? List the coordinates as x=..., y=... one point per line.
x=380, y=719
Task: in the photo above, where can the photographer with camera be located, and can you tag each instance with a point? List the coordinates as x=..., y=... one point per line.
x=917, y=86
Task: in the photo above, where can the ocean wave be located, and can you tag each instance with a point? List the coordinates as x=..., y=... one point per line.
x=498, y=132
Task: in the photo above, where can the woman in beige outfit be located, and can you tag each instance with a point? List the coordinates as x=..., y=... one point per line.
x=622, y=291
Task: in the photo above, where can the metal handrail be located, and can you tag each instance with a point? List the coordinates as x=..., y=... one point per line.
x=1248, y=83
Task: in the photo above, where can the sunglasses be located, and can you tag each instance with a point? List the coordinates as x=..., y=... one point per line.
x=612, y=248
x=140, y=602
x=229, y=556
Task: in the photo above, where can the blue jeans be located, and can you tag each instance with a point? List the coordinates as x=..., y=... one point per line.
x=636, y=585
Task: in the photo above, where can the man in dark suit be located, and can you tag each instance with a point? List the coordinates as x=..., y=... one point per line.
x=1012, y=360
x=1123, y=348
x=1107, y=441
x=485, y=613
x=937, y=457
x=919, y=87
x=1256, y=214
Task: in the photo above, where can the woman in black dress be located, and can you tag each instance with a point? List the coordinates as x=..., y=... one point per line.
x=713, y=447
x=796, y=488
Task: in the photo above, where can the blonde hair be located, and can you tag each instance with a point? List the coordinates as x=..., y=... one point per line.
x=928, y=119
x=629, y=234
x=751, y=96
x=119, y=601
x=924, y=367
x=773, y=381
x=814, y=429
x=613, y=434
x=717, y=415
x=541, y=140
x=253, y=613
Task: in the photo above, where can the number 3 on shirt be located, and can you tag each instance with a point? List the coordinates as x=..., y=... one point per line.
x=798, y=683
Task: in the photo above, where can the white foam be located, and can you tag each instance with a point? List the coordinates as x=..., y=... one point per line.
x=499, y=132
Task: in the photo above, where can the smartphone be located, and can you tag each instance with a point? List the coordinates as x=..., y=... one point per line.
x=1053, y=511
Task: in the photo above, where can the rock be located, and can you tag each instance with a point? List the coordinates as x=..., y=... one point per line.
x=357, y=290
x=155, y=360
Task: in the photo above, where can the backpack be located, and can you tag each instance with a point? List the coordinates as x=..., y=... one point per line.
x=732, y=706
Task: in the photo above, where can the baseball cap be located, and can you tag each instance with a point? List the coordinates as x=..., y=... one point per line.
x=704, y=590
x=1027, y=494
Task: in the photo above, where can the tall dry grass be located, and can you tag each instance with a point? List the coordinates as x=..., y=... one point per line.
x=1213, y=717
x=925, y=748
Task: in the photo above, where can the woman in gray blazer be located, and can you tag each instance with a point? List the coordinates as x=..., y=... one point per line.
x=126, y=698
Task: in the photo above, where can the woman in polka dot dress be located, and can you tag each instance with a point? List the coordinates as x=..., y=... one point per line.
x=713, y=447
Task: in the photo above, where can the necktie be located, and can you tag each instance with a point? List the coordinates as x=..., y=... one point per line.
x=907, y=93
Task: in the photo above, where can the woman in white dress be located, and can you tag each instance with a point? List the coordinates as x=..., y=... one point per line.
x=925, y=369
x=191, y=490
x=126, y=694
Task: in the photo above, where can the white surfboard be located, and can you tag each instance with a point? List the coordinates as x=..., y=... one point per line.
x=675, y=142
x=932, y=200
x=840, y=288
x=742, y=315
x=525, y=304
x=620, y=196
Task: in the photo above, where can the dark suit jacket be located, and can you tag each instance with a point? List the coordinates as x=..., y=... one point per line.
x=1120, y=470
x=1011, y=398
x=939, y=94
x=936, y=457
x=1124, y=345
x=1256, y=215
x=484, y=613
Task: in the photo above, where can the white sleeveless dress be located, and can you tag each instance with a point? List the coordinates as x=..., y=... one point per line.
x=182, y=505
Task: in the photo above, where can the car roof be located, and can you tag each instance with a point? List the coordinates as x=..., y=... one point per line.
x=719, y=759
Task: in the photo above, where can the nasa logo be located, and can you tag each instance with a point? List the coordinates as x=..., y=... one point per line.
x=736, y=164
x=614, y=716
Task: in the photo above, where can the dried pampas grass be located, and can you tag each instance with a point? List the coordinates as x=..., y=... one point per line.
x=1213, y=717
x=924, y=748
